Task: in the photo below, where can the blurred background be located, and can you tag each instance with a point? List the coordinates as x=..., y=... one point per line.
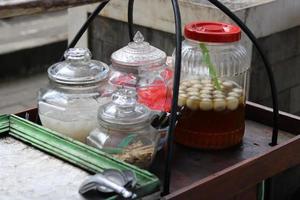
x=30, y=43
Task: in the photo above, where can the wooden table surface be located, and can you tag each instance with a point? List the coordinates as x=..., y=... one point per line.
x=208, y=175
x=200, y=164
x=196, y=174
x=10, y=8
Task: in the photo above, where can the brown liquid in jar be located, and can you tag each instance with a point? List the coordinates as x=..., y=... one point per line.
x=211, y=128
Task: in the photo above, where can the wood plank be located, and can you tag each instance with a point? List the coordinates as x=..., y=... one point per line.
x=10, y=8
x=233, y=180
x=21, y=94
x=248, y=194
x=191, y=165
x=31, y=31
x=262, y=114
x=199, y=165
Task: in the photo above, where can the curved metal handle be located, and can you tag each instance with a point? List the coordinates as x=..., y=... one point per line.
x=130, y=19
x=85, y=26
x=256, y=44
x=178, y=69
x=266, y=64
x=177, y=74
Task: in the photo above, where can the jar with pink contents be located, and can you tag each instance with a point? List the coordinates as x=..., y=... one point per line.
x=143, y=67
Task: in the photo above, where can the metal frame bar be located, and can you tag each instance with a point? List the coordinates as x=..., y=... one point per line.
x=176, y=80
x=266, y=62
x=178, y=33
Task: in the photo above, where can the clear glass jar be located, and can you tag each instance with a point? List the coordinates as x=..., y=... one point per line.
x=125, y=130
x=143, y=67
x=77, y=87
x=213, y=87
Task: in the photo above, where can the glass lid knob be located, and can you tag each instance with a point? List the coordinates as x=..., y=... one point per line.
x=76, y=54
x=123, y=110
x=125, y=99
x=138, y=53
x=139, y=45
x=138, y=37
x=78, y=68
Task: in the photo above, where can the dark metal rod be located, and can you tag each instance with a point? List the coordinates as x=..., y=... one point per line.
x=173, y=118
x=167, y=175
x=85, y=26
x=266, y=63
x=130, y=19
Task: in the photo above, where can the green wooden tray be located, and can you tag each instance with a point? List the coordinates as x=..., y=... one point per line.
x=77, y=153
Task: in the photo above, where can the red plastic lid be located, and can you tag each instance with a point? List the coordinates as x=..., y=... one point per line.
x=212, y=32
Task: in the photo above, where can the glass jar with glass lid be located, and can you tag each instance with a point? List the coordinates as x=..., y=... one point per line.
x=124, y=129
x=77, y=87
x=143, y=67
x=213, y=86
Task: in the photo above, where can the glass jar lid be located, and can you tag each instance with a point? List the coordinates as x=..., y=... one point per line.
x=212, y=32
x=78, y=68
x=124, y=110
x=138, y=53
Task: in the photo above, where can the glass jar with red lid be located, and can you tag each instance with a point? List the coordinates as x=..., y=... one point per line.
x=143, y=67
x=213, y=86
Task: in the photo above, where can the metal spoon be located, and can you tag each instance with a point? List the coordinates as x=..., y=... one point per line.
x=110, y=181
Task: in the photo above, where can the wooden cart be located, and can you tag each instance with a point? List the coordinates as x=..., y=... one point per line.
x=236, y=173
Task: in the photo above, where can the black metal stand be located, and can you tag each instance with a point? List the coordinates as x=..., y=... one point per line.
x=167, y=177
x=130, y=19
x=85, y=26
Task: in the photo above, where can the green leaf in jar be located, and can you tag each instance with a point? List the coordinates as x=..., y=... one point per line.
x=127, y=140
x=121, y=146
x=211, y=67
